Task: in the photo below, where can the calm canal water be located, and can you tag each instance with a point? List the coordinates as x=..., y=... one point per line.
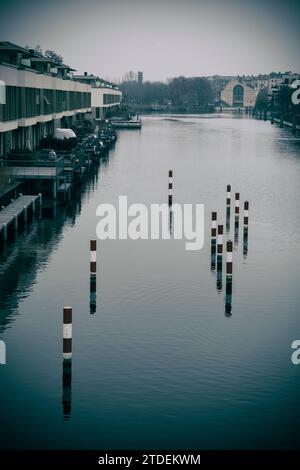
x=160, y=365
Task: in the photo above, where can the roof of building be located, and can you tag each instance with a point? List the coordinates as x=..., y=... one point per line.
x=95, y=78
x=35, y=57
x=9, y=46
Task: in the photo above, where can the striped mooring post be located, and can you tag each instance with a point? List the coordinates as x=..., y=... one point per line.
x=220, y=248
x=67, y=333
x=93, y=277
x=229, y=258
x=213, y=240
x=237, y=205
x=228, y=195
x=220, y=240
x=170, y=200
x=246, y=223
x=246, y=214
x=93, y=257
x=213, y=227
x=228, y=291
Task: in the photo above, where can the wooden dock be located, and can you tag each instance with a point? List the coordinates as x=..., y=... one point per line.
x=11, y=213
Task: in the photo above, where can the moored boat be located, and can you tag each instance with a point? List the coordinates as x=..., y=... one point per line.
x=127, y=124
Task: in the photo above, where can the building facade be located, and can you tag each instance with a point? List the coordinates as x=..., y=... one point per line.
x=237, y=94
x=104, y=95
x=37, y=96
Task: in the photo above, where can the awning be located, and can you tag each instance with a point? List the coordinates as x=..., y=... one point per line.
x=64, y=134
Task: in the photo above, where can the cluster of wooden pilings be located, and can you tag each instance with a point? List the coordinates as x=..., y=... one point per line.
x=217, y=245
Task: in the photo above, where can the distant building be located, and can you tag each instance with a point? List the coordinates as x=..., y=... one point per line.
x=104, y=95
x=140, y=78
x=37, y=96
x=237, y=94
x=270, y=81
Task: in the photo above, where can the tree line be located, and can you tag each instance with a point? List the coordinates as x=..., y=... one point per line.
x=179, y=91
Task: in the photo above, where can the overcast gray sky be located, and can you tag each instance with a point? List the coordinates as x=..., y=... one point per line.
x=163, y=38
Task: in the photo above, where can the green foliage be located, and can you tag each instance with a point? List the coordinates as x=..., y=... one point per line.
x=262, y=100
x=58, y=144
x=54, y=56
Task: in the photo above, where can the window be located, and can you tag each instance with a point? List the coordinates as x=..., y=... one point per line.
x=238, y=96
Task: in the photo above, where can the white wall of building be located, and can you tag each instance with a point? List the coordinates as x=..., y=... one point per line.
x=97, y=99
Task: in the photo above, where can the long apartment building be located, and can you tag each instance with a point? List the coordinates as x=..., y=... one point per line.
x=104, y=95
x=38, y=95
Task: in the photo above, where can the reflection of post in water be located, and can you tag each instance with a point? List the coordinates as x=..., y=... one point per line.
x=67, y=388
x=170, y=199
x=213, y=248
x=228, y=219
x=67, y=362
x=228, y=292
x=246, y=221
x=170, y=220
x=237, y=218
x=245, y=242
x=219, y=258
x=236, y=231
x=93, y=275
x=93, y=294
x=228, y=296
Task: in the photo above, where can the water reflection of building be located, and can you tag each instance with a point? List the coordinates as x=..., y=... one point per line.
x=19, y=265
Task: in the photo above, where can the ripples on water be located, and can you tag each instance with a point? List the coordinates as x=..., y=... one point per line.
x=160, y=365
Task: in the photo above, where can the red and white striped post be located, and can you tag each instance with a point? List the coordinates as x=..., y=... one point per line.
x=93, y=257
x=246, y=214
x=246, y=222
x=228, y=199
x=228, y=291
x=214, y=226
x=219, y=258
x=220, y=240
x=93, y=271
x=67, y=362
x=170, y=200
x=237, y=205
x=213, y=240
x=67, y=333
x=229, y=258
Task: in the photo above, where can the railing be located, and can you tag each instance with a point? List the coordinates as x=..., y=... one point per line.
x=35, y=162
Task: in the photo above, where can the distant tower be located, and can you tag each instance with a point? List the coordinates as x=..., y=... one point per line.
x=140, y=78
